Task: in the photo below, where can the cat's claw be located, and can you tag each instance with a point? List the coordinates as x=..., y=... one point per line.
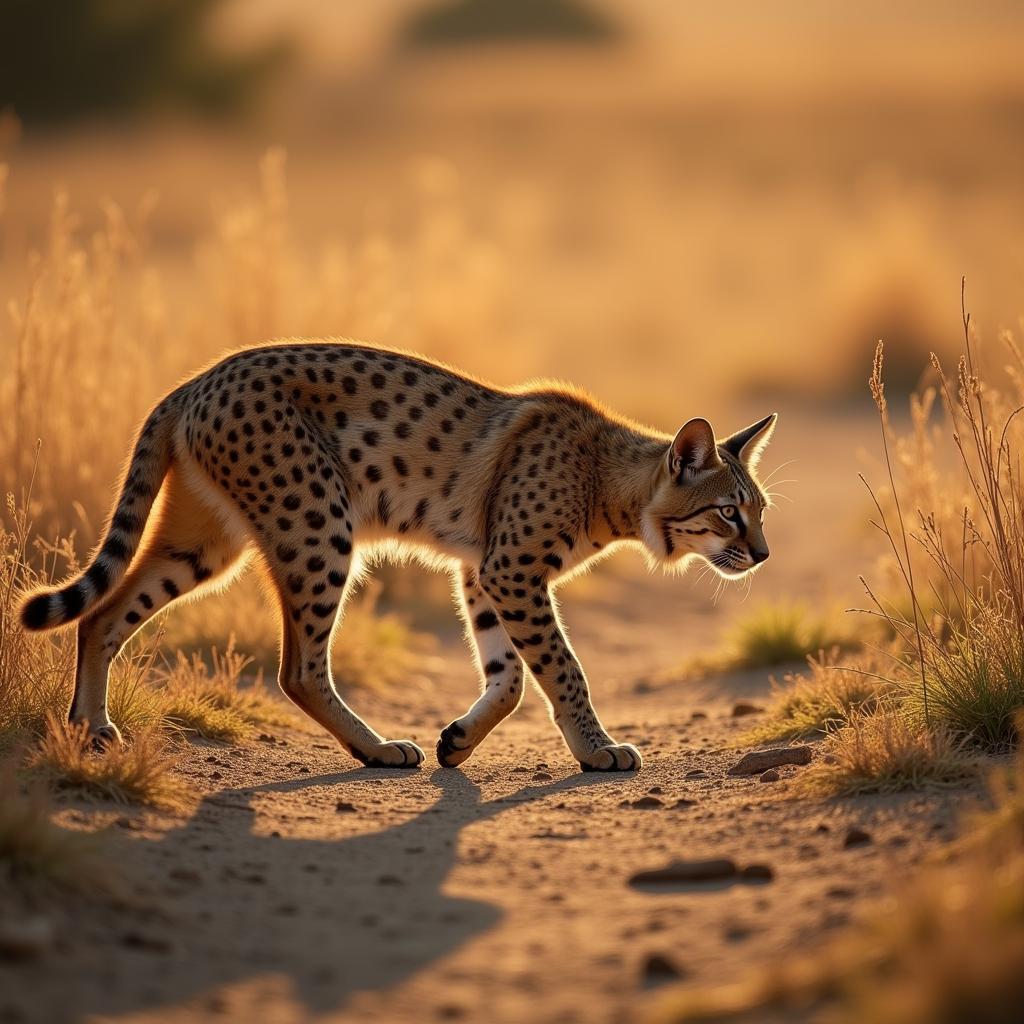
x=392, y=754
x=617, y=757
x=452, y=749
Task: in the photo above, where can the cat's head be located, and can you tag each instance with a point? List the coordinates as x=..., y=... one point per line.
x=707, y=502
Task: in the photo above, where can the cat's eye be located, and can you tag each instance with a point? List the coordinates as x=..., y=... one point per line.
x=728, y=511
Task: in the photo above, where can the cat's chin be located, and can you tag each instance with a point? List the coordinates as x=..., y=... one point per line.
x=733, y=573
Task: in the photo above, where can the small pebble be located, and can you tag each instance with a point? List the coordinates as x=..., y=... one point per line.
x=856, y=837
x=25, y=938
x=744, y=708
x=658, y=968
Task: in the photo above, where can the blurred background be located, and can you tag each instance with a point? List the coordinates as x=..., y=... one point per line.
x=688, y=209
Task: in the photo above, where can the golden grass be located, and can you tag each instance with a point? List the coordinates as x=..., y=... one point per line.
x=811, y=705
x=34, y=851
x=784, y=632
x=214, y=698
x=955, y=539
x=378, y=649
x=139, y=771
x=885, y=751
x=772, y=635
x=35, y=668
x=944, y=949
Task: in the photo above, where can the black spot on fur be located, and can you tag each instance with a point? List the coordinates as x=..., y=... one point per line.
x=486, y=620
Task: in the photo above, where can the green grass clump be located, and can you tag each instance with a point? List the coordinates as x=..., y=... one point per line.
x=975, y=680
x=778, y=634
x=809, y=706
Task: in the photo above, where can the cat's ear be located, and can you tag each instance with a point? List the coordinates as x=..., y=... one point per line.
x=748, y=444
x=692, y=451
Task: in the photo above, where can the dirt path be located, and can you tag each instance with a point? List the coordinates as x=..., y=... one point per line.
x=300, y=888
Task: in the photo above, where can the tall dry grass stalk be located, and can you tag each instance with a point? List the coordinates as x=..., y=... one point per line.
x=35, y=668
x=959, y=554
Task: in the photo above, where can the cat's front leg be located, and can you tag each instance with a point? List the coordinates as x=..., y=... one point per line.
x=531, y=620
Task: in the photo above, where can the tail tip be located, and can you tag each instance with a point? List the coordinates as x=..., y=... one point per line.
x=35, y=612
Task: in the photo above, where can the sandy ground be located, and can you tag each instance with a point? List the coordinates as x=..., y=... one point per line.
x=303, y=888
x=300, y=886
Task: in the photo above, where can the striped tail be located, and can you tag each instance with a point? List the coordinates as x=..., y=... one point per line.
x=149, y=463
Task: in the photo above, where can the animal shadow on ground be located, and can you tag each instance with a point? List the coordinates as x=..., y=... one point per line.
x=332, y=916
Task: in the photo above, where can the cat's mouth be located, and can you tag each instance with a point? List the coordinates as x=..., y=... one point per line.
x=731, y=564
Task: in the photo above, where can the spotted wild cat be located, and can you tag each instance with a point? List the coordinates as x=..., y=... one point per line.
x=303, y=452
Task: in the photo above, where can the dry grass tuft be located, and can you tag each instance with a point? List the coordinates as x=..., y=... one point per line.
x=956, y=542
x=808, y=706
x=884, y=751
x=214, y=699
x=140, y=771
x=35, y=668
x=378, y=649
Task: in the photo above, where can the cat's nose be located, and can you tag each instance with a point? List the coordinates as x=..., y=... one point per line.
x=759, y=555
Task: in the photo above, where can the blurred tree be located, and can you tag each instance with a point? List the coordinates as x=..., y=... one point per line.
x=480, y=21
x=65, y=59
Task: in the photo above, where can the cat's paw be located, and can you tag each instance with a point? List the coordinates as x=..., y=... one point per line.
x=616, y=757
x=104, y=737
x=452, y=747
x=392, y=754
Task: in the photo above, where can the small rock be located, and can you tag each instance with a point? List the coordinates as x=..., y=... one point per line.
x=769, y=776
x=451, y=1011
x=839, y=892
x=742, y=708
x=265, y=737
x=344, y=807
x=25, y=938
x=147, y=943
x=856, y=837
x=129, y=823
x=758, y=761
x=656, y=790
x=687, y=871
x=696, y=773
x=658, y=968
x=695, y=716
x=542, y=776
x=644, y=803
x=683, y=803
x=185, y=875
x=216, y=775
x=758, y=873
